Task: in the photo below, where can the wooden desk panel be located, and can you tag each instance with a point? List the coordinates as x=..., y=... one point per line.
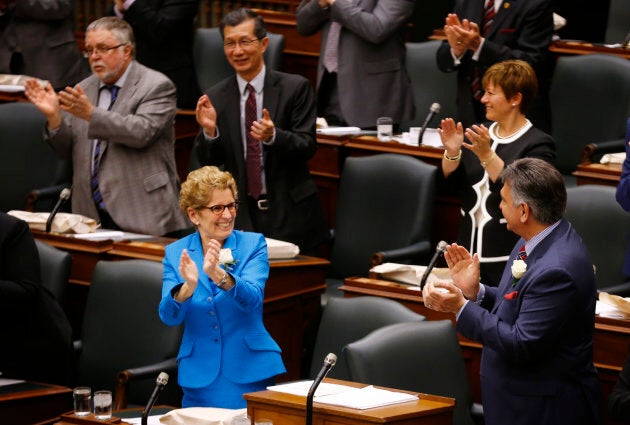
x=287, y=409
x=29, y=403
x=610, y=346
x=595, y=173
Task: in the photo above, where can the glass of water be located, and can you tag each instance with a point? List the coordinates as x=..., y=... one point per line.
x=384, y=129
x=103, y=405
x=82, y=401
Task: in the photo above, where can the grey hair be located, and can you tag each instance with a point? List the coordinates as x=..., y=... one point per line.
x=119, y=27
x=538, y=184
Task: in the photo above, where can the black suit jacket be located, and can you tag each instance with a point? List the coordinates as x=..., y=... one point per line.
x=164, y=31
x=295, y=209
x=521, y=29
x=36, y=336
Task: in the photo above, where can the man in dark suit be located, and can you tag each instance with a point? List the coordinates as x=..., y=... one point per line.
x=517, y=29
x=37, y=39
x=537, y=326
x=164, y=31
x=118, y=128
x=265, y=149
x=36, y=335
x=367, y=78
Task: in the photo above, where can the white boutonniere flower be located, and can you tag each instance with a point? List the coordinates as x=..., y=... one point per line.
x=519, y=267
x=226, y=259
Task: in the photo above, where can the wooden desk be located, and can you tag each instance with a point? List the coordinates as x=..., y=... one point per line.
x=287, y=409
x=292, y=305
x=595, y=173
x=567, y=47
x=29, y=402
x=610, y=347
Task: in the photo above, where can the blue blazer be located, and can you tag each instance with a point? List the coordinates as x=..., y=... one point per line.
x=223, y=330
x=537, y=335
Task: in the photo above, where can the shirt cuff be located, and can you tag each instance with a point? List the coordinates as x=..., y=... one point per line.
x=477, y=53
x=205, y=135
x=270, y=141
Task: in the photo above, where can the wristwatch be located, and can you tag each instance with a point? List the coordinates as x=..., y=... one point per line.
x=223, y=280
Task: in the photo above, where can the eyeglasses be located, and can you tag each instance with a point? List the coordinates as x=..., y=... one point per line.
x=218, y=209
x=231, y=45
x=100, y=50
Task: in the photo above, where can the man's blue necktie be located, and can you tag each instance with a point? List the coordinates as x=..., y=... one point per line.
x=96, y=192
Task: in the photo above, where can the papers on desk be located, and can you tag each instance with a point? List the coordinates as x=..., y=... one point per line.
x=613, y=158
x=411, y=274
x=431, y=137
x=339, y=131
x=14, y=83
x=4, y=381
x=62, y=223
x=346, y=396
x=151, y=420
x=278, y=250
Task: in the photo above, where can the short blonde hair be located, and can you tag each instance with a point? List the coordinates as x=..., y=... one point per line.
x=197, y=190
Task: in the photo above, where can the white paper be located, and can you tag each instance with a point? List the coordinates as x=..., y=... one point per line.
x=613, y=158
x=278, y=250
x=4, y=381
x=411, y=274
x=366, y=398
x=151, y=420
x=102, y=235
x=10, y=88
x=301, y=388
x=431, y=137
x=339, y=131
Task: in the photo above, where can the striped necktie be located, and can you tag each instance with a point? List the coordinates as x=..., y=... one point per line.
x=488, y=18
x=253, y=162
x=522, y=255
x=96, y=157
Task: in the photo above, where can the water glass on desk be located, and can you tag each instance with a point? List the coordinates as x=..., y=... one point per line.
x=82, y=398
x=384, y=128
x=103, y=405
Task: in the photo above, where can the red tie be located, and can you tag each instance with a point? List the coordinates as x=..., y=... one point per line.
x=252, y=157
x=488, y=17
x=522, y=255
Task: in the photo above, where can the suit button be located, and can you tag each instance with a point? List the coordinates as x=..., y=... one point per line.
x=211, y=312
x=209, y=299
x=215, y=327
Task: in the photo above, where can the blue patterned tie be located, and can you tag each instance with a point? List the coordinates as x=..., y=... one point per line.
x=522, y=255
x=96, y=192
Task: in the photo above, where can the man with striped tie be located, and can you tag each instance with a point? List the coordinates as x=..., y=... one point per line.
x=118, y=127
x=480, y=33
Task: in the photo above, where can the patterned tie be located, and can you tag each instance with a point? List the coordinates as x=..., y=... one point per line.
x=488, y=17
x=96, y=191
x=522, y=255
x=331, y=53
x=252, y=158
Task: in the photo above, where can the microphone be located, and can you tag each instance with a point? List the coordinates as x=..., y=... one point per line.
x=160, y=383
x=434, y=109
x=329, y=362
x=439, y=250
x=63, y=197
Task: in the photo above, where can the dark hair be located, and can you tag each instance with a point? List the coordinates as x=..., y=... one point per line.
x=538, y=184
x=238, y=16
x=514, y=76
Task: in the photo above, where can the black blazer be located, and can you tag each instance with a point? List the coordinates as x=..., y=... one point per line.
x=295, y=209
x=164, y=32
x=521, y=29
x=36, y=336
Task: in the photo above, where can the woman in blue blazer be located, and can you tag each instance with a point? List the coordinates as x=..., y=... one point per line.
x=214, y=283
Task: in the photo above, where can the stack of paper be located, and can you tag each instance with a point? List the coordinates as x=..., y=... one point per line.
x=411, y=274
x=346, y=396
x=280, y=249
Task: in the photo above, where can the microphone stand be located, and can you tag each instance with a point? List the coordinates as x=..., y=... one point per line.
x=329, y=362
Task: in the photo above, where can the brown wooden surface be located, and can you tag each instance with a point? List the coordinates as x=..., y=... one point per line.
x=611, y=338
x=36, y=405
x=595, y=173
x=292, y=305
x=288, y=409
x=568, y=47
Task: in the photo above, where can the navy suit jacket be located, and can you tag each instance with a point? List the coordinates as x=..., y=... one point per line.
x=537, y=335
x=623, y=192
x=521, y=29
x=233, y=337
x=295, y=209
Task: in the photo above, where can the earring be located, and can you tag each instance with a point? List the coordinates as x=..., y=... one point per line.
x=513, y=104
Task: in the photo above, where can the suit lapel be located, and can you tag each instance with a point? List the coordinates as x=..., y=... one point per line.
x=506, y=10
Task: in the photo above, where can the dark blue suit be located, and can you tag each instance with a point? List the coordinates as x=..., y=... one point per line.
x=623, y=191
x=537, y=335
